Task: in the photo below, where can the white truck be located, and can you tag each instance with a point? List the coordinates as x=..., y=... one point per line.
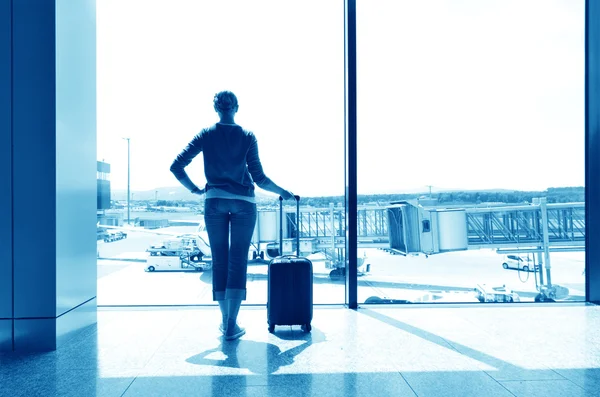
x=182, y=253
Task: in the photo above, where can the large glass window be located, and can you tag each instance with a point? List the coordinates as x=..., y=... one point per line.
x=471, y=162
x=471, y=150
x=159, y=65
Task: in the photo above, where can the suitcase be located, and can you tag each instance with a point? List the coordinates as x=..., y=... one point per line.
x=290, y=284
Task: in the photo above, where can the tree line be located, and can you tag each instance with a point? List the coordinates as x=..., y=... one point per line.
x=465, y=197
x=553, y=195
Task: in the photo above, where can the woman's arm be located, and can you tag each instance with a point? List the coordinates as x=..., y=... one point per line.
x=258, y=175
x=183, y=159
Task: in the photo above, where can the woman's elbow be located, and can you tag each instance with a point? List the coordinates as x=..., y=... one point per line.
x=260, y=181
x=176, y=168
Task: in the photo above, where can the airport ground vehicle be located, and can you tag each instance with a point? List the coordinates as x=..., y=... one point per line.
x=175, y=263
x=334, y=263
x=181, y=253
x=486, y=293
x=114, y=235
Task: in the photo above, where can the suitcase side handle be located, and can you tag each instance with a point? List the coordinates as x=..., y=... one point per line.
x=297, y=225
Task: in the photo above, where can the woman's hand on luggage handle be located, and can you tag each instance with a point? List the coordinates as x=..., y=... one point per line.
x=287, y=195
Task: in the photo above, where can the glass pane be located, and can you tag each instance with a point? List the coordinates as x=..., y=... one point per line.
x=471, y=150
x=159, y=65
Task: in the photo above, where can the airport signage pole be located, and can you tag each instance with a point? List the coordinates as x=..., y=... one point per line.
x=128, y=181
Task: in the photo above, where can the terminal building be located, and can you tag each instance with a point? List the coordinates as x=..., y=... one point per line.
x=56, y=341
x=103, y=178
x=104, y=215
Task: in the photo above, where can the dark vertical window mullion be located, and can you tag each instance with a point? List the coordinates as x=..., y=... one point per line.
x=351, y=155
x=12, y=172
x=592, y=155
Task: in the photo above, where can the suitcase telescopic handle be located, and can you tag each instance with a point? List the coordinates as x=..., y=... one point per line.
x=297, y=225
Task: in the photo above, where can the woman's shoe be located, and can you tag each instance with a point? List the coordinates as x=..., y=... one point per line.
x=236, y=333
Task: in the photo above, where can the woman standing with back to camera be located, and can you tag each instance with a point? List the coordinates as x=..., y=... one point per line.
x=231, y=167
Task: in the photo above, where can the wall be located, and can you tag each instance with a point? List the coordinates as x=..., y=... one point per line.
x=47, y=171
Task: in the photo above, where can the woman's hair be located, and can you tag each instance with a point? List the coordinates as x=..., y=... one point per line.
x=225, y=101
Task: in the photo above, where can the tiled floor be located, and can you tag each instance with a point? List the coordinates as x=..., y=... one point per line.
x=529, y=350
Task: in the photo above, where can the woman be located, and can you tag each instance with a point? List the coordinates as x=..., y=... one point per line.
x=231, y=167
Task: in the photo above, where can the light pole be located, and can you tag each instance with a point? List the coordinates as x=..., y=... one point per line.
x=429, y=186
x=128, y=181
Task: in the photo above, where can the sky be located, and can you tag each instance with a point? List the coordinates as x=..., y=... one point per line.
x=455, y=94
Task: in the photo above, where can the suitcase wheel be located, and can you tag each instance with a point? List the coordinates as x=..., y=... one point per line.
x=306, y=328
x=271, y=328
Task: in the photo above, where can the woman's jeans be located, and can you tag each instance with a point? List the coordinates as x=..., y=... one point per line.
x=229, y=255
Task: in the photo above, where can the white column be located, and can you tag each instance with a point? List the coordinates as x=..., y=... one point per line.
x=49, y=209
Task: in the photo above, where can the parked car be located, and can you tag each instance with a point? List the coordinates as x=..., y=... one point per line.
x=518, y=262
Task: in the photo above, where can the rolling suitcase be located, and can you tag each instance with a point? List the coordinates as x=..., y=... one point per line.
x=290, y=284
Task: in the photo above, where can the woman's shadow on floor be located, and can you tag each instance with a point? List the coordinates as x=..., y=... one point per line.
x=258, y=357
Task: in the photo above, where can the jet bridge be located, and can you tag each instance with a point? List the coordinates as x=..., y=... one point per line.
x=536, y=227
x=406, y=227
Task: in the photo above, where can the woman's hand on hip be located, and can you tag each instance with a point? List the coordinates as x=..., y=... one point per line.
x=198, y=191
